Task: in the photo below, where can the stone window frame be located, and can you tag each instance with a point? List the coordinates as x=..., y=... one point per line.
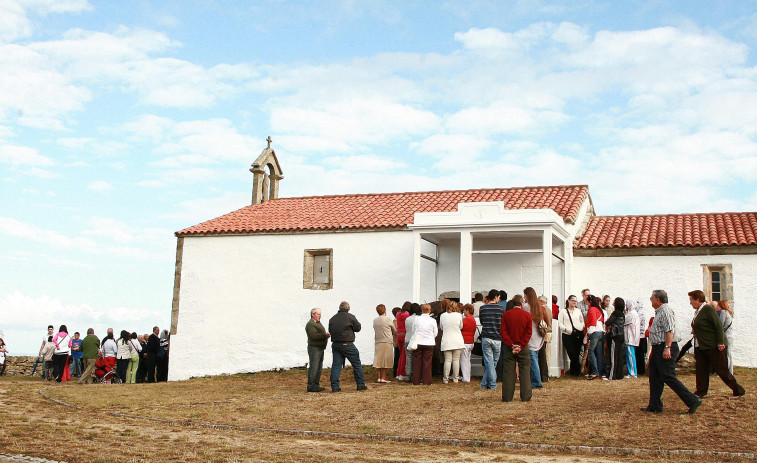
x=726, y=281
x=307, y=269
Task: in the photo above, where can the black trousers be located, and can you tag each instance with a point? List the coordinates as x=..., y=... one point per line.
x=150, y=362
x=59, y=364
x=162, y=369
x=713, y=359
x=572, y=346
x=662, y=372
x=641, y=357
x=543, y=366
x=618, y=357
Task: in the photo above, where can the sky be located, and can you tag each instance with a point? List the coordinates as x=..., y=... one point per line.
x=123, y=122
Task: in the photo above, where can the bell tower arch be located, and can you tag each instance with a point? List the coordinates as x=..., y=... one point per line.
x=266, y=174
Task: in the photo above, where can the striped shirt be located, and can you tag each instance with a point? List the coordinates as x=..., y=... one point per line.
x=664, y=321
x=490, y=316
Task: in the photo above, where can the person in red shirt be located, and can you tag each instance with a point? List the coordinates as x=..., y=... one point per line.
x=555, y=308
x=516, y=332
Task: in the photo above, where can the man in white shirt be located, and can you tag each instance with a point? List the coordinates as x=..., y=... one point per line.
x=478, y=303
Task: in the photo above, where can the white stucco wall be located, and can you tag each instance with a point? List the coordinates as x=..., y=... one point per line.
x=243, y=308
x=677, y=275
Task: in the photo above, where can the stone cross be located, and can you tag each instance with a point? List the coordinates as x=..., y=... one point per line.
x=269, y=141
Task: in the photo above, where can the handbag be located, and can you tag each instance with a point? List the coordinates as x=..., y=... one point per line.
x=413, y=344
x=575, y=333
x=477, y=348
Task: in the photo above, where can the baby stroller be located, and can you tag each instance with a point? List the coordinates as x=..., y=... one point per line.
x=105, y=370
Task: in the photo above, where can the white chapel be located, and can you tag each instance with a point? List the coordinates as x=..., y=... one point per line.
x=245, y=282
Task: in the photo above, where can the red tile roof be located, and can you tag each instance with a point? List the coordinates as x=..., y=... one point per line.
x=675, y=230
x=386, y=210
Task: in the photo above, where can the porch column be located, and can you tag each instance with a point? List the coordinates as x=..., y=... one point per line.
x=554, y=368
x=416, y=266
x=466, y=266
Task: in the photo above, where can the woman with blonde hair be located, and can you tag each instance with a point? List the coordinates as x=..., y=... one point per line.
x=384, y=330
x=451, y=324
x=540, y=325
x=725, y=313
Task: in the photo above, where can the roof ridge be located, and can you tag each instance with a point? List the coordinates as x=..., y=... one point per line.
x=691, y=214
x=396, y=193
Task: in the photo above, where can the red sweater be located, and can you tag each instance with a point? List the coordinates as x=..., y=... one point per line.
x=592, y=317
x=469, y=329
x=516, y=327
x=555, y=311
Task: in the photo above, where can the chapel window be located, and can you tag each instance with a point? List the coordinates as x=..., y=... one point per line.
x=718, y=282
x=318, y=269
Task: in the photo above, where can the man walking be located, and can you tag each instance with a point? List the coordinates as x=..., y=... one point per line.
x=90, y=346
x=709, y=347
x=516, y=332
x=490, y=315
x=343, y=327
x=662, y=367
x=317, y=340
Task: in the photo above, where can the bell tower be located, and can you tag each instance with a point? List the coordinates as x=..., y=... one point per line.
x=266, y=173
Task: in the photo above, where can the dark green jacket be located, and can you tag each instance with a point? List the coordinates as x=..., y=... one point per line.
x=316, y=334
x=90, y=345
x=708, y=328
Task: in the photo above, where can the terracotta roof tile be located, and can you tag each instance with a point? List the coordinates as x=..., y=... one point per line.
x=385, y=210
x=674, y=230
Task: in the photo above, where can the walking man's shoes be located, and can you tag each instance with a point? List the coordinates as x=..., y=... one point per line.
x=694, y=406
x=362, y=388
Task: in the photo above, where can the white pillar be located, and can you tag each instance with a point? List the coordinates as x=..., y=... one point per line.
x=554, y=367
x=416, y=266
x=466, y=266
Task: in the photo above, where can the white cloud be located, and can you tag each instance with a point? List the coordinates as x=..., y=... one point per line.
x=99, y=185
x=23, y=156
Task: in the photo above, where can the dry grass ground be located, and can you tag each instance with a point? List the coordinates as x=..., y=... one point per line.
x=566, y=412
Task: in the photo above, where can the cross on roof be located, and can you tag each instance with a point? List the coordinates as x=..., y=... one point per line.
x=269, y=141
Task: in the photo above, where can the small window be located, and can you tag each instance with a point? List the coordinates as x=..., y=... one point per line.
x=318, y=269
x=718, y=282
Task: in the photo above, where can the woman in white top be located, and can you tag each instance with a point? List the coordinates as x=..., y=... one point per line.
x=571, y=322
x=134, y=350
x=123, y=355
x=62, y=343
x=631, y=331
x=451, y=323
x=424, y=334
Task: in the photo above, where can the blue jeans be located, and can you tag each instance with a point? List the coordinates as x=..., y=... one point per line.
x=347, y=351
x=491, y=349
x=596, y=353
x=76, y=370
x=535, y=372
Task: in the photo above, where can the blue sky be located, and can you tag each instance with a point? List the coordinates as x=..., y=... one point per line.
x=122, y=122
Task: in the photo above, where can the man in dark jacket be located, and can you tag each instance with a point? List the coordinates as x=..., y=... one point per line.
x=343, y=327
x=89, y=348
x=153, y=344
x=317, y=340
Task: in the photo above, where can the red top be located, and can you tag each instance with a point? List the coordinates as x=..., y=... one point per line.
x=401, y=317
x=516, y=327
x=469, y=329
x=555, y=311
x=646, y=333
x=592, y=316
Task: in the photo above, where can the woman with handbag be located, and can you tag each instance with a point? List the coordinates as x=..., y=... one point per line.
x=538, y=331
x=571, y=322
x=452, y=342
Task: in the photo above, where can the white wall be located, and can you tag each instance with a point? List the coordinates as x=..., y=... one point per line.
x=243, y=308
x=677, y=275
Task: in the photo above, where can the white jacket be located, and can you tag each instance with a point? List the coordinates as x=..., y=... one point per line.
x=425, y=330
x=452, y=338
x=631, y=328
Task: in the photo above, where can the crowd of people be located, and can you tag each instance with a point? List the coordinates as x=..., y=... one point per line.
x=131, y=358
x=602, y=338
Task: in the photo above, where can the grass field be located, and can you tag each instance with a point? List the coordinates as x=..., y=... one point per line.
x=108, y=422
